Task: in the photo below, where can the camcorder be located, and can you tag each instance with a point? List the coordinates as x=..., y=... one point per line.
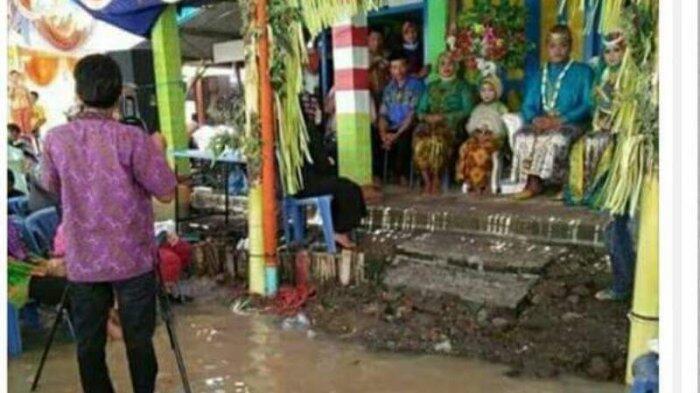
x=129, y=110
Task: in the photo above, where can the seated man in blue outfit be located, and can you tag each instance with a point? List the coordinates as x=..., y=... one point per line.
x=397, y=115
x=557, y=109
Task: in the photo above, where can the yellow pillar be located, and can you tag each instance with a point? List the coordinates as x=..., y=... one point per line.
x=644, y=317
x=548, y=18
x=577, y=24
x=256, y=250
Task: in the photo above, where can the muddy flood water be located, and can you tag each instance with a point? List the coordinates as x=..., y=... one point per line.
x=226, y=352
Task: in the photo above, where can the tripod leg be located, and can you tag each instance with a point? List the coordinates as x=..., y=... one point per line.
x=49, y=341
x=166, y=314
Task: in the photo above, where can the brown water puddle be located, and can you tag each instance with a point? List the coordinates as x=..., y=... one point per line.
x=226, y=352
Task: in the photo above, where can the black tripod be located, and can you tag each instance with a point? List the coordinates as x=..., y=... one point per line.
x=165, y=313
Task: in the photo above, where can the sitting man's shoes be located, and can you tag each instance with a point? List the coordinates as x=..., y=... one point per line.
x=610, y=295
x=524, y=194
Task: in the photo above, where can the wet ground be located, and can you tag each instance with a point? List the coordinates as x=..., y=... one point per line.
x=559, y=329
x=226, y=352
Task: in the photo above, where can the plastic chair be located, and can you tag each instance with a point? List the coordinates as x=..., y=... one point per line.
x=646, y=374
x=27, y=237
x=14, y=337
x=30, y=314
x=294, y=214
x=42, y=225
x=18, y=206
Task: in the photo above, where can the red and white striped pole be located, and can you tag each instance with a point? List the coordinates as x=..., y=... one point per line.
x=351, y=64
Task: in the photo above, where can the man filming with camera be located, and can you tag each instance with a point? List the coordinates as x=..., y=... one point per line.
x=106, y=173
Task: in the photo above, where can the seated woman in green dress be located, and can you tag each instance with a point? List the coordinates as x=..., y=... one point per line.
x=591, y=156
x=443, y=107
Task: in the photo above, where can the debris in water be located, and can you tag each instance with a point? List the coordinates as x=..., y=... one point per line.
x=239, y=306
x=298, y=322
x=445, y=346
x=214, y=382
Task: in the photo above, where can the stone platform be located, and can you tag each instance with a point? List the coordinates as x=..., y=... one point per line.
x=540, y=219
x=477, y=287
x=481, y=252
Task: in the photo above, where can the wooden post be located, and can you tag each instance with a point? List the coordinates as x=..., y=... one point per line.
x=268, y=153
x=170, y=91
x=199, y=99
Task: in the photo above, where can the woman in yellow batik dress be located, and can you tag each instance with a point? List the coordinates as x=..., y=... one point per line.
x=442, y=109
x=591, y=156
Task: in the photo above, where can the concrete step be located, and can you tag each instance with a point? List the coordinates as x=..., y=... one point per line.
x=540, y=219
x=488, y=253
x=492, y=289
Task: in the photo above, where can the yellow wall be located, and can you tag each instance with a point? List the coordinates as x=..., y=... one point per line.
x=548, y=18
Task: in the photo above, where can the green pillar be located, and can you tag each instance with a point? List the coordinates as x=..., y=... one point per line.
x=438, y=15
x=170, y=91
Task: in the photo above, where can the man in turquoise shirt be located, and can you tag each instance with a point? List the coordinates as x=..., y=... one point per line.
x=557, y=109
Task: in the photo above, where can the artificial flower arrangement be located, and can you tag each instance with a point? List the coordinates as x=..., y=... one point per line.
x=488, y=35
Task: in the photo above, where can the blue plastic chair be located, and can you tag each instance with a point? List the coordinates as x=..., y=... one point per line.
x=294, y=213
x=30, y=314
x=18, y=206
x=14, y=337
x=646, y=374
x=27, y=237
x=42, y=225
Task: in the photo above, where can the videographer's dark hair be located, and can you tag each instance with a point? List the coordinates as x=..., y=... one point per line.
x=98, y=81
x=12, y=127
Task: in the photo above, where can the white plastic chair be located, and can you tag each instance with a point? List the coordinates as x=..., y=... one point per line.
x=513, y=122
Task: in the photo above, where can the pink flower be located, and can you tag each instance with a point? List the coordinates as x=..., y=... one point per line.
x=490, y=34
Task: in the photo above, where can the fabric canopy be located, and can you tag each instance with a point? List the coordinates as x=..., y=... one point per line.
x=135, y=16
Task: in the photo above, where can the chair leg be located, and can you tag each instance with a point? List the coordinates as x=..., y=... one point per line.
x=285, y=222
x=69, y=324
x=324, y=206
x=386, y=166
x=14, y=335
x=496, y=173
x=446, y=181
x=298, y=223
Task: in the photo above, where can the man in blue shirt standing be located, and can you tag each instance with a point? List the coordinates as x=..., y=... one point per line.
x=557, y=109
x=397, y=116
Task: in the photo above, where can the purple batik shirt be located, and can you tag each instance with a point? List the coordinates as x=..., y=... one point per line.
x=106, y=173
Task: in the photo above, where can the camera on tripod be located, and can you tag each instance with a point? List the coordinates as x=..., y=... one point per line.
x=129, y=108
